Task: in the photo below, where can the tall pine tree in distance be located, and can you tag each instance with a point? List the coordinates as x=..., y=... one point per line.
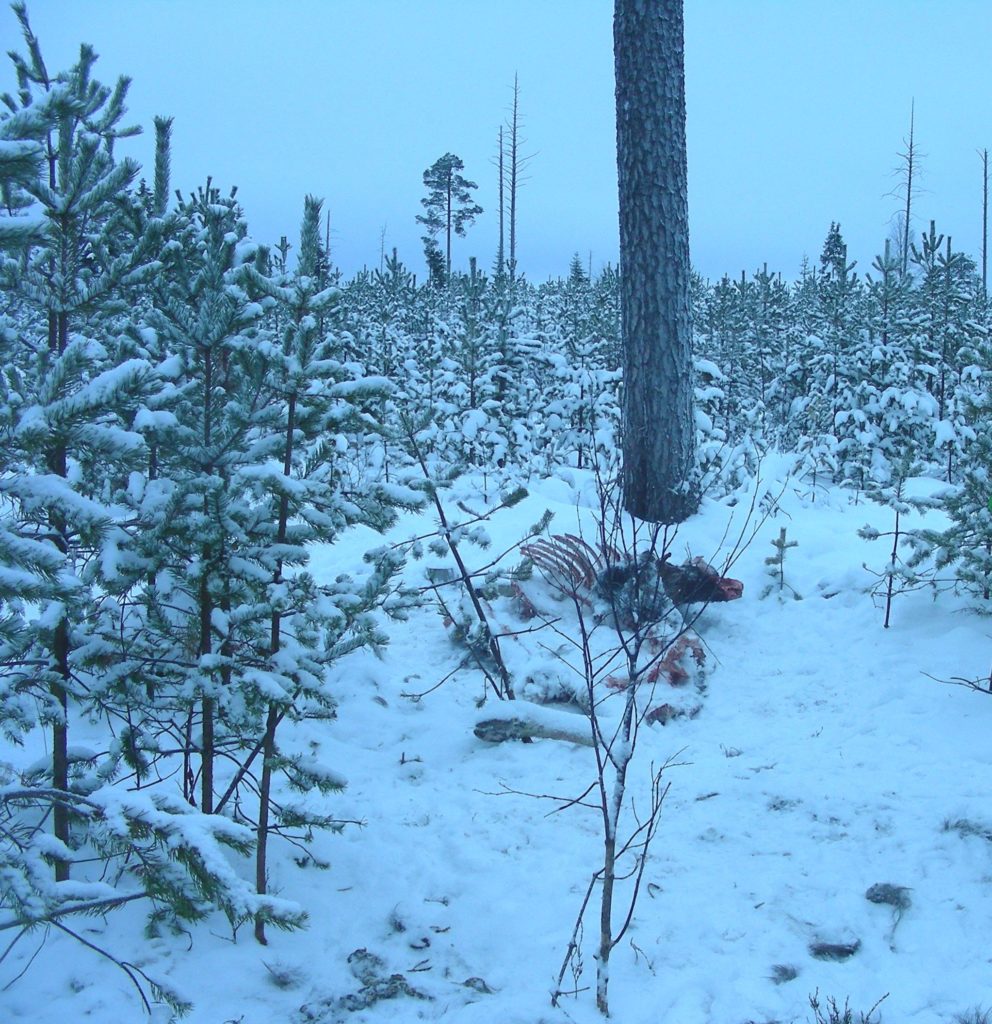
x=449, y=204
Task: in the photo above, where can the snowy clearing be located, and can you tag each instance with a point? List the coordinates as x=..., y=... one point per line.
x=823, y=762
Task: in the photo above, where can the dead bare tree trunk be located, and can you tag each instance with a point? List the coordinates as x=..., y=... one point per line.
x=501, y=251
x=514, y=173
x=985, y=222
x=909, y=157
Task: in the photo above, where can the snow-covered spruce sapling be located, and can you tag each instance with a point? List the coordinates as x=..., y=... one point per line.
x=72, y=399
x=296, y=502
x=965, y=546
x=255, y=479
x=474, y=628
x=154, y=847
x=191, y=573
x=580, y=416
x=776, y=569
x=294, y=372
x=214, y=633
x=65, y=262
x=898, y=576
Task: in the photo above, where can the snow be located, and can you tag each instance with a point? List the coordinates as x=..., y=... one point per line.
x=824, y=760
x=364, y=387
x=153, y=419
x=23, y=225
x=472, y=422
x=709, y=369
x=12, y=149
x=944, y=433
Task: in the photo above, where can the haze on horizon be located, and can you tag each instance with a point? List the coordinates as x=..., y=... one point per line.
x=797, y=114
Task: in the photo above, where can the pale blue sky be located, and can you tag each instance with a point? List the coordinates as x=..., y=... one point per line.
x=797, y=111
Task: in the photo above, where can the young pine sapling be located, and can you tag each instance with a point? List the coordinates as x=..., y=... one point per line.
x=776, y=569
x=898, y=576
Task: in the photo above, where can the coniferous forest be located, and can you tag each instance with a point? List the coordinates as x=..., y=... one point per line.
x=188, y=415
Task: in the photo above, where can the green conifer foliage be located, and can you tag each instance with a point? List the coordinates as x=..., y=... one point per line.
x=81, y=376
x=449, y=205
x=66, y=394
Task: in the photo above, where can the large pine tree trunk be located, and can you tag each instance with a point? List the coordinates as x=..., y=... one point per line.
x=658, y=425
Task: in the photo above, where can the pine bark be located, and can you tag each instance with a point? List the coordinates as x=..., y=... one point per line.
x=658, y=424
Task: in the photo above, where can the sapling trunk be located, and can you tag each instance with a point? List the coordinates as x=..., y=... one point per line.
x=492, y=642
x=606, y=926
x=612, y=803
x=60, y=728
x=189, y=782
x=890, y=583
x=60, y=777
x=206, y=607
x=264, y=792
x=274, y=715
x=58, y=463
x=207, y=705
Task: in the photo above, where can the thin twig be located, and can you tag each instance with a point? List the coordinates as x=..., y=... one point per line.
x=573, y=943
x=128, y=968
x=565, y=801
x=31, y=959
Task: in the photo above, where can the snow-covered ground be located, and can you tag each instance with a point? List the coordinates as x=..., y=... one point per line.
x=824, y=761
